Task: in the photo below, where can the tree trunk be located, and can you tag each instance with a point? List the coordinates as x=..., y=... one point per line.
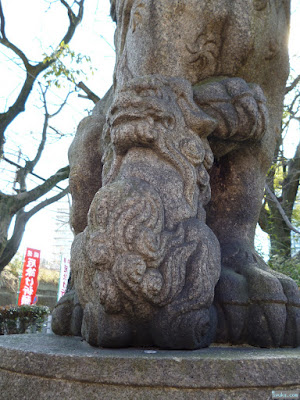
x=12, y=245
x=271, y=220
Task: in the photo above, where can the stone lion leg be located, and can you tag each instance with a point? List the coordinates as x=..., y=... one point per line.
x=106, y=330
x=190, y=320
x=190, y=330
x=255, y=304
x=84, y=180
x=146, y=256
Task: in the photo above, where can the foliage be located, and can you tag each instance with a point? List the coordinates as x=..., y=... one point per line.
x=280, y=212
x=287, y=266
x=59, y=69
x=15, y=266
x=8, y=280
x=48, y=276
x=22, y=319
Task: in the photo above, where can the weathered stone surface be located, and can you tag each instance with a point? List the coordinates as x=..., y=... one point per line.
x=50, y=367
x=148, y=260
x=198, y=88
x=85, y=163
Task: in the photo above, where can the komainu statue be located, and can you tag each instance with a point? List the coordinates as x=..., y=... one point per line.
x=167, y=179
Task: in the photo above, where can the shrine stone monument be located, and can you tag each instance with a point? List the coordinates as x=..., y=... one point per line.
x=167, y=178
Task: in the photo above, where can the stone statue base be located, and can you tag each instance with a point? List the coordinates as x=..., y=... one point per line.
x=52, y=367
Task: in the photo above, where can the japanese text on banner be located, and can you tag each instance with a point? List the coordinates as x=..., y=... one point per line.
x=29, y=280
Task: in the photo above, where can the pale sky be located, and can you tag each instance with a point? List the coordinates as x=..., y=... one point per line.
x=34, y=35
x=32, y=30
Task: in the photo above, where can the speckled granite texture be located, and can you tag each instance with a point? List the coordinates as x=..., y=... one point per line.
x=52, y=367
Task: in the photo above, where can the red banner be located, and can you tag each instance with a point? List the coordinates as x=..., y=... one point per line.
x=29, y=281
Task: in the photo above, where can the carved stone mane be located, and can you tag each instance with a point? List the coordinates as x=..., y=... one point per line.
x=147, y=251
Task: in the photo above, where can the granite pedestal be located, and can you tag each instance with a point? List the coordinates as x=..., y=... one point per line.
x=52, y=367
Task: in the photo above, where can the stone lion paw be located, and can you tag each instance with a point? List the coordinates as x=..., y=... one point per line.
x=255, y=304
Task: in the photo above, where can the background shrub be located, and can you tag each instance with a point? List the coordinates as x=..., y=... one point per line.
x=22, y=319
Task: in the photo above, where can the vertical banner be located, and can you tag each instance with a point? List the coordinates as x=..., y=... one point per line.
x=64, y=276
x=29, y=280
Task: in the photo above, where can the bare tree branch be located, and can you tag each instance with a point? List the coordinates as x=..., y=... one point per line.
x=14, y=205
x=12, y=245
x=61, y=106
x=22, y=172
x=74, y=20
x=2, y=22
x=29, y=165
x=280, y=209
x=292, y=85
x=56, y=131
x=90, y=95
x=22, y=218
x=32, y=71
x=290, y=184
x=291, y=106
x=31, y=173
x=47, y=202
x=22, y=199
x=7, y=43
x=44, y=133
